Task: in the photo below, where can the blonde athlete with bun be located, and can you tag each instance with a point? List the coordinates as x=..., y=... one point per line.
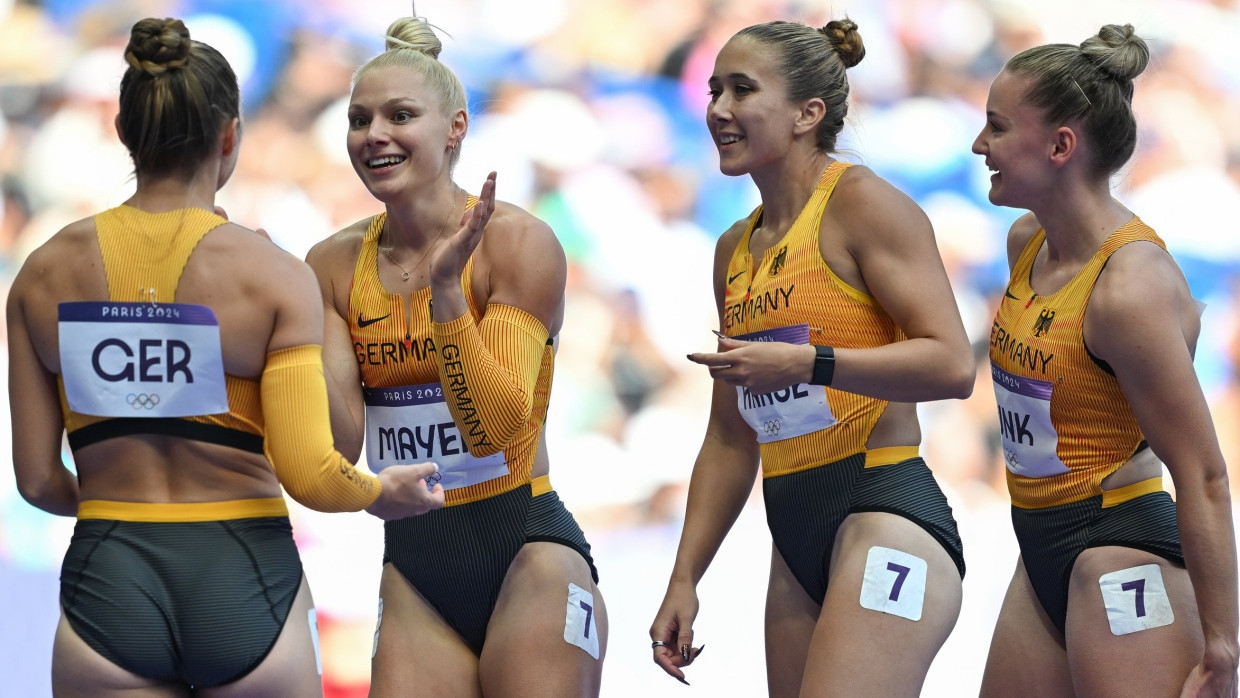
x=440, y=313
x=1119, y=590
x=837, y=317
x=180, y=354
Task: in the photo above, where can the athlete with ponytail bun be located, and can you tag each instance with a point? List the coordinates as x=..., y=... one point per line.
x=182, y=355
x=1118, y=590
x=441, y=317
x=836, y=317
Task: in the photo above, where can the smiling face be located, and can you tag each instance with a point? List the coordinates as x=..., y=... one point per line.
x=399, y=136
x=1017, y=144
x=749, y=116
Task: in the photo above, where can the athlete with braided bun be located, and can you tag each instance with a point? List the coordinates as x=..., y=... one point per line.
x=180, y=354
x=837, y=316
x=1119, y=590
x=440, y=313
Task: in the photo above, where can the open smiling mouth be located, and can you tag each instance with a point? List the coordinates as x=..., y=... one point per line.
x=386, y=161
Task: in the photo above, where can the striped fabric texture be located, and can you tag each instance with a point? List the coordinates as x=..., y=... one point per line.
x=790, y=284
x=199, y=603
x=1041, y=337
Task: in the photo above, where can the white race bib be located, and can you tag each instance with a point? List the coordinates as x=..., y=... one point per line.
x=1029, y=438
x=795, y=410
x=412, y=424
x=141, y=359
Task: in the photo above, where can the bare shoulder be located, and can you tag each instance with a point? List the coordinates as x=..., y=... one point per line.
x=335, y=256
x=343, y=244
x=252, y=261
x=62, y=258
x=1139, y=277
x=869, y=208
x=731, y=237
x=514, y=231
x=1019, y=235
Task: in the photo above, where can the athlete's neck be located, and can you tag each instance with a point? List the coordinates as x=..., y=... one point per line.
x=171, y=193
x=786, y=189
x=1078, y=221
x=417, y=221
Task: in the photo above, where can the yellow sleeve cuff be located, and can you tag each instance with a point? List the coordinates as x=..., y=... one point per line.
x=299, y=435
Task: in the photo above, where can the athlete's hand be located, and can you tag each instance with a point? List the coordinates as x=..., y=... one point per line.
x=763, y=367
x=449, y=257
x=1204, y=681
x=673, y=626
x=405, y=492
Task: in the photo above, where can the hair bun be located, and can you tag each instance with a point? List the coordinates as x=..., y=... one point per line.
x=413, y=33
x=1118, y=51
x=158, y=45
x=844, y=38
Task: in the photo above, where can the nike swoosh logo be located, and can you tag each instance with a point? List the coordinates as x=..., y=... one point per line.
x=366, y=323
x=1008, y=293
x=733, y=277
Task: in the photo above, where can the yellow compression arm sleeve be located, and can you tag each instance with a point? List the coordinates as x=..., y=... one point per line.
x=299, y=435
x=489, y=371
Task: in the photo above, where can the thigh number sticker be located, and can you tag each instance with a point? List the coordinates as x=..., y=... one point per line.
x=1135, y=599
x=894, y=583
x=579, y=627
x=374, y=647
x=312, y=617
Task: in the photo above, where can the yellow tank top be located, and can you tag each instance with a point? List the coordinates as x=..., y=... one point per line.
x=1064, y=421
x=792, y=285
x=394, y=348
x=144, y=255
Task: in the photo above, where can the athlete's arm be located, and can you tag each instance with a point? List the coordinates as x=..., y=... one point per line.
x=723, y=476
x=298, y=429
x=330, y=262
x=893, y=244
x=489, y=368
x=34, y=405
x=1141, y=320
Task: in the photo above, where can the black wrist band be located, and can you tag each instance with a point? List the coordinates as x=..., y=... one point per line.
x=824, y=366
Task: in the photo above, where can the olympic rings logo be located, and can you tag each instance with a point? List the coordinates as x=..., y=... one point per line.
x=142, y=401
x=772, y=427
x=433, y=480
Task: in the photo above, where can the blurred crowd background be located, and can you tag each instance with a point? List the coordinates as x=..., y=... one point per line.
x=592, y=113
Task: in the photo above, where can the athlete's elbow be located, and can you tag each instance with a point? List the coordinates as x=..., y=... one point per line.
x=962, y=386
x=497, y=439
x=957, y=380
x=48, y=496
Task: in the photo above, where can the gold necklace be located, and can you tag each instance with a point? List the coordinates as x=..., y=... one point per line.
x=404, y=273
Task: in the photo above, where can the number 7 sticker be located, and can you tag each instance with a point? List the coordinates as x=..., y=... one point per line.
x=894, y=582
x=1135, y=599
x=579, y=626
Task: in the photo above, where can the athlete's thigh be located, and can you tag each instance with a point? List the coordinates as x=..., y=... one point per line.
x=78, y=671
x=791, y=616
x=416, y=652
x=548, y=634
x=292, y=666
x=1149, y=658
x=1026, y=651
x=901, y=572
